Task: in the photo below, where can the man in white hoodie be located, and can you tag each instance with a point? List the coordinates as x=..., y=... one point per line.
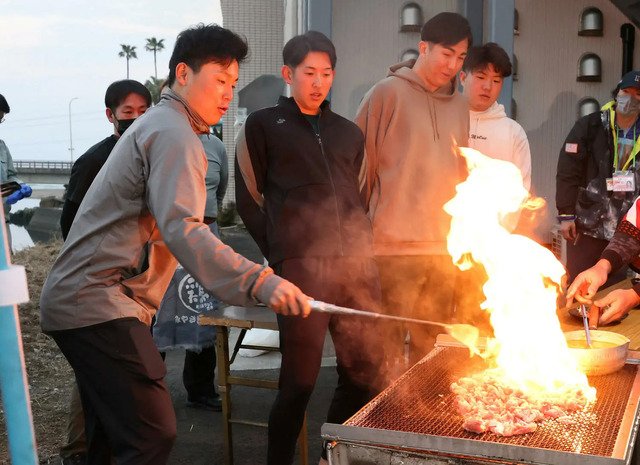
x=491, y=131
x=497, y=136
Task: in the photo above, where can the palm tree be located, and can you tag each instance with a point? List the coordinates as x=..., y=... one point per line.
x=128, y=51
x=153, y=84
x=154, y=45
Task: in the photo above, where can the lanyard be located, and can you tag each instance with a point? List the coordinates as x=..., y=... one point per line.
x=632, y=157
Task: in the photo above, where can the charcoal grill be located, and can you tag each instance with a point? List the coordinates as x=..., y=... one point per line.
x=414, y=421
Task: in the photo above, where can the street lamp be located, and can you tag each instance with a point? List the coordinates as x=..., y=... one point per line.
x=70, y=133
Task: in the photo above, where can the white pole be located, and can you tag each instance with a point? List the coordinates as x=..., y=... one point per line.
x=70, y=133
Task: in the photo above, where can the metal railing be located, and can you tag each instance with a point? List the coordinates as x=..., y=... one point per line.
x=42, y=165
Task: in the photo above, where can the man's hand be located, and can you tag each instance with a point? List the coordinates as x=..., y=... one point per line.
x=25, y=191
x=287, y=299
x=587, y=283
x=568, y=230
x=617, y=304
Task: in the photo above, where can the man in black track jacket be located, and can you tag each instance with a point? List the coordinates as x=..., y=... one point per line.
x=298, y=192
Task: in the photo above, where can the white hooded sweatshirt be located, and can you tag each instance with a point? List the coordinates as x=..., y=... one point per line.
x=499, y=137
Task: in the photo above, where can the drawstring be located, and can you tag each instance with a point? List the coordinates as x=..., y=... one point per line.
x=434, y=118
x=435, y=122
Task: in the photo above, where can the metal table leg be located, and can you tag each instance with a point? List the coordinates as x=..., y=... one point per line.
x=236, y=348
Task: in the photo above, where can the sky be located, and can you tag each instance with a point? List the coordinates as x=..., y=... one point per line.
x=54, y=53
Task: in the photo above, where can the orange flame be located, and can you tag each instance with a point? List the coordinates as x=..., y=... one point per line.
x=524, y=277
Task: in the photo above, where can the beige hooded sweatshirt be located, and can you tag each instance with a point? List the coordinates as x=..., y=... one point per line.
x=409, y=132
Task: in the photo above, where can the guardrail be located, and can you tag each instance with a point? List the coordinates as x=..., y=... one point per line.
x=42, y=165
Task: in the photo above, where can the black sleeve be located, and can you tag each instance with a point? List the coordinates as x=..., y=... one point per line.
x=572, y=167
x=69, y=211
x=83, y=173
x=251, y=172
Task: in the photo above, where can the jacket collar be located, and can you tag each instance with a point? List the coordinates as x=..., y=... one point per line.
x=198, y=124
x=290, y=104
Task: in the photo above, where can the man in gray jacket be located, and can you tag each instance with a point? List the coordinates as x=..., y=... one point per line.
x=143, y=211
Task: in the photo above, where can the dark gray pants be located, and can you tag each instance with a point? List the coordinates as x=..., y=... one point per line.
x=128, y=412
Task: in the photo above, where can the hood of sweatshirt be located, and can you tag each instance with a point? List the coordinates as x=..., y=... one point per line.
x=404, y=71
x=495, y=111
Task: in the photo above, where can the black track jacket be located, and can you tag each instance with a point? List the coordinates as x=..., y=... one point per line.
x=298, y=192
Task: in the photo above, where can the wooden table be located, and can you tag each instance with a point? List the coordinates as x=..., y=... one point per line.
x=244, y=318
x=629, y=326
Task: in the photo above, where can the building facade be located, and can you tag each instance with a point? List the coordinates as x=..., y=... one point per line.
x=262, y=23
x=369, y=37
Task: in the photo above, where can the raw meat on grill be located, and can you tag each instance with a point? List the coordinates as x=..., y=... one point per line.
x=488, y=403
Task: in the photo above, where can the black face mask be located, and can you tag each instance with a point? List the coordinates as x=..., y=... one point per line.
x=124, y=124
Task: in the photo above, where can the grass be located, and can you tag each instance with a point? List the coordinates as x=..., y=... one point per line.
x=48, y=373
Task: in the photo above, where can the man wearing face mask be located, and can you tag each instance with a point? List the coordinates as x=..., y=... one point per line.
x=125, y=100
x=598, y=177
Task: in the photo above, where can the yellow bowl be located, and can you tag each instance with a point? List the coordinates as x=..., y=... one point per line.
x=600, y=361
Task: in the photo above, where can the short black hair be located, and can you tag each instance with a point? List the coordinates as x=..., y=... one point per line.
x=447, y=29
x=479, y=57
x=206, y=43
x=298, y=47
x=118, y=91
x=4, y=106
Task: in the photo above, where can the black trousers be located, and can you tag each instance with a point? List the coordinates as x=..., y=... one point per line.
x=198, y=373
x=584, y=254
x=128, y=413
x=347, y=282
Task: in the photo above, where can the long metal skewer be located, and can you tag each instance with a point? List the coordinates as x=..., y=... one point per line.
x=585, y=320
x=324, y=307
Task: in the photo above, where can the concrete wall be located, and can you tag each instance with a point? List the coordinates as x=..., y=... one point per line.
x=262, y=23
x=367, y=39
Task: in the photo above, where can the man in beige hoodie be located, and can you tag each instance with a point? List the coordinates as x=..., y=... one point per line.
x=410, y=120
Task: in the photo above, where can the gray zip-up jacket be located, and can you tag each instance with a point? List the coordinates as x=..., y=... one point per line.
x=144, y=208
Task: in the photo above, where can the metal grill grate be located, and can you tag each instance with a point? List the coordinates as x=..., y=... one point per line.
x=420, y=402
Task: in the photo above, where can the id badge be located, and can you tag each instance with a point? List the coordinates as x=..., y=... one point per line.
x=624, y=181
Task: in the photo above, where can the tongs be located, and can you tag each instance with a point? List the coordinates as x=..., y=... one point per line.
x=585, y=320
x=467, y=334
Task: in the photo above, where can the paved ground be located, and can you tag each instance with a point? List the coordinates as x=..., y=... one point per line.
x=200, y=439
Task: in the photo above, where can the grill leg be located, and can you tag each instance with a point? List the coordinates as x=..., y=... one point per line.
x=635, y=457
